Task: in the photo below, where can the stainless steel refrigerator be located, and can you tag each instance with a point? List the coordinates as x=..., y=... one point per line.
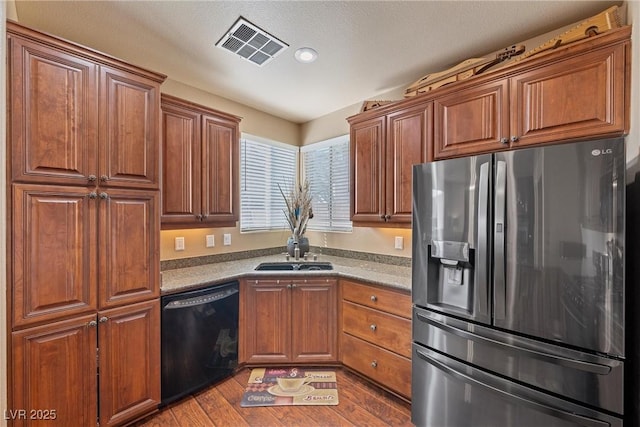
x=518, y=288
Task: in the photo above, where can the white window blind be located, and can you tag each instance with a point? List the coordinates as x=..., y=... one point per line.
x=264, y=166
x=326, y=167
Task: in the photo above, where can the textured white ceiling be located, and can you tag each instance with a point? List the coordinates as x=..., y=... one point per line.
x=366, y=47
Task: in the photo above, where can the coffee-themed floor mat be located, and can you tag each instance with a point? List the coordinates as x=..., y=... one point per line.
x=290, y=386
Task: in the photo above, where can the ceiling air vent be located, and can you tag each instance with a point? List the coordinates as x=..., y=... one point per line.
x=251, y=43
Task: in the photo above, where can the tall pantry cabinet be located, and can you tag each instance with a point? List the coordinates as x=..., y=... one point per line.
x=84, y=233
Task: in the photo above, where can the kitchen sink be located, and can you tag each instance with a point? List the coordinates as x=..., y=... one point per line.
x=294, y=266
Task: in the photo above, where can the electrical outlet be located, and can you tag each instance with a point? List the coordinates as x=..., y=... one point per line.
x=227, y=239
x=179, y=244
x=210, y=240
x=399, y=242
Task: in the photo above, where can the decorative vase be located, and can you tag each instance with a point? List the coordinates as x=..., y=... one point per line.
x=303, y=246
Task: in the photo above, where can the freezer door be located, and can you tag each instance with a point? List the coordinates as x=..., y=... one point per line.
x=451, y=236
x=446, y=392
x=559, y=244
x=593, y=380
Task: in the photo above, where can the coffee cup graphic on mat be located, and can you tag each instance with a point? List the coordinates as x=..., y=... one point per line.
x=291, y=385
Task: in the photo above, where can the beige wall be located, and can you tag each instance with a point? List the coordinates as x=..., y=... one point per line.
x=8, y=12
x=335, y=124
x=253, y=121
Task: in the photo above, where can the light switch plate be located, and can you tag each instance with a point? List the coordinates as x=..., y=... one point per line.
x=227, y=239
x=399, y=243
x=211, y=240
x=179, y=244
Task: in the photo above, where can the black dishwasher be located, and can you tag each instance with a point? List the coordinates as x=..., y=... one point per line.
x=199, y=339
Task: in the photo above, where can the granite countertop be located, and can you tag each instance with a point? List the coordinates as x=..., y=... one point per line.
x=181, y=279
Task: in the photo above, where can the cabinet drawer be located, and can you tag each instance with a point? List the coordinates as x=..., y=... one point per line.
x=386, y=330
x=382, y=366
x=381, y=299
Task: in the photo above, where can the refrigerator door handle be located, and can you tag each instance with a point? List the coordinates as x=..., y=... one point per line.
x=595, y=368
x=482, y=271
x=498, y=239
x=509, y=395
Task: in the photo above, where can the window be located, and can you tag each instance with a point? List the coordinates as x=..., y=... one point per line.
x=326, y=167
x=264, y=166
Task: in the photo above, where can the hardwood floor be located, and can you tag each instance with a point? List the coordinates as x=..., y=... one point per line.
x=361, y=404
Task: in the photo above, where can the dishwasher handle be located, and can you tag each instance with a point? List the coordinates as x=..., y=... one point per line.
x=206, y=298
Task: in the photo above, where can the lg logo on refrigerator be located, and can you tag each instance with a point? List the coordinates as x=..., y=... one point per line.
x=597, y=152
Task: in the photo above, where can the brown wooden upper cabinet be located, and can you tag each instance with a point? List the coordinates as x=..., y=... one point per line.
x=200, y=165
x=384, y=148
x=581, y=92
x=77, y=121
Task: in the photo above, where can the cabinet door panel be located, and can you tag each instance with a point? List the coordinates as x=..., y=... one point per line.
x=408, y=142
x=367, y=170
x=129, y=140
x=268, y=321
x=314, y=321
x=129, y=339
x=471, y=120
x=54, y=257
x=219, y=154
x=53, y=114
x=129, y=246
x=578, y=97
x=181, y=171
x=54, y=369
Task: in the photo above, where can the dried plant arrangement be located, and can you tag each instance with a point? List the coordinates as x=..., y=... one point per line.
x=299, y=210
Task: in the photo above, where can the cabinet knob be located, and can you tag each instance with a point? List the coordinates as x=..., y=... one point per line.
x=92, y=324
x=383, y=217
x=104, y=195
x=104, y=319
x=387, y=217
x=374, y=298
x=92, y=178
x=504, y=140
x=104, y=178
x=289, y=286
x=199, y=216
x=93, y=195
x=514, y=138
x=373, y=327
x=374, y=364
x=294, y=286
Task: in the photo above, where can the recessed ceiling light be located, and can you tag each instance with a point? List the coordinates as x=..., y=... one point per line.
x=306, y=55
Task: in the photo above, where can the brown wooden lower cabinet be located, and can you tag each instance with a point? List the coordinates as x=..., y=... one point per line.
x=55, y=368
x=129, y=354
x=54, y=373
x=375, y=338
x=291, y=320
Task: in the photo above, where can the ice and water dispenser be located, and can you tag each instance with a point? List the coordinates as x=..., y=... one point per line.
x=451, y=275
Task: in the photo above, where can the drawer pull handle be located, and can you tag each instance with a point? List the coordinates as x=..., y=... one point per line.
x=374, y=364
x=374, y=298
x=104, y=319
x=92, y=324
x=373, y=327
